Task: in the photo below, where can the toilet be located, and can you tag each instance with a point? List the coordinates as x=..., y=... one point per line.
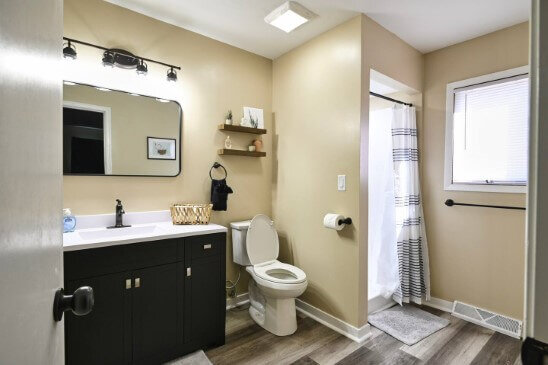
x=274, y=285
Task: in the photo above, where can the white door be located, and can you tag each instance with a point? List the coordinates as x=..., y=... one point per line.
x=536, y=309
x=31, y=266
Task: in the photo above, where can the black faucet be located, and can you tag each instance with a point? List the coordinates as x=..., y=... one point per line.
x=119, y=214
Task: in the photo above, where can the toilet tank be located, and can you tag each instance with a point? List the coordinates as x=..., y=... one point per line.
x=239, y=234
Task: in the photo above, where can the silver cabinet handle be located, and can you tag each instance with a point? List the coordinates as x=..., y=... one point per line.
x=188, y=271
x=207, y=247
x=128, y=283
x=137, y=282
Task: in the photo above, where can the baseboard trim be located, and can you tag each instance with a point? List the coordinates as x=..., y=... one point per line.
x=379, y=303
x=355, y=334
x=384, y=307
x=441, y=304
x=237, y=301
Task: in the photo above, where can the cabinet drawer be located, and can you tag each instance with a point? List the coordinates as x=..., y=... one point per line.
x=96, y=261
x=154, y=253
x=107, y=260
x=204, y=246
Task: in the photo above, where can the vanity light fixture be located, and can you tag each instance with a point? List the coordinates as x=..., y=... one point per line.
x=289, y=16
x=120, y=58
x=142, y=68
x=108, y=59
x=69, y=51
x=171, y=75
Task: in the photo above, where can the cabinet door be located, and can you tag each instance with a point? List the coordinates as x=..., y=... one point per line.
x=104, y=335
x=205, y=302
x=155, y=309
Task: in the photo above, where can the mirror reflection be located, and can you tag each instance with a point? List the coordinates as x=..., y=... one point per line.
x=108, y=132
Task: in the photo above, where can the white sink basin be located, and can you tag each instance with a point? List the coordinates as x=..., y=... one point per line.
x=105, y=233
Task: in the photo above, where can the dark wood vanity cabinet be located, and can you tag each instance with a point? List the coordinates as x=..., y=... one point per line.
x=101, y=337
x=204, y=314
x=154, y=301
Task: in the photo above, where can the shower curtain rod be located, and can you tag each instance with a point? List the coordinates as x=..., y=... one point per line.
x=389, y=99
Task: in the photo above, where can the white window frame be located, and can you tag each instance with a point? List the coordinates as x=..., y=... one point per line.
x=107, y=128
x=448, y=172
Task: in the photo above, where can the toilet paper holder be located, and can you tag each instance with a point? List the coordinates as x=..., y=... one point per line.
x=346, y=221
x=336, y=221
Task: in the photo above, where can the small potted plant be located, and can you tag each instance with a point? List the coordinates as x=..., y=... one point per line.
x=228, y=118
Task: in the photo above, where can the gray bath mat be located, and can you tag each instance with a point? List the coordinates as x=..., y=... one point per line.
x=408, y=324
x=195, y=358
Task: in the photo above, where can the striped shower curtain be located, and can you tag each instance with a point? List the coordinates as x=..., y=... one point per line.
x=412, y=248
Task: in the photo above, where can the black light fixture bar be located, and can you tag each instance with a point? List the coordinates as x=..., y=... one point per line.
x=110, y=50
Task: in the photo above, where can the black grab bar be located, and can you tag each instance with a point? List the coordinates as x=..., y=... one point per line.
x=451, y=202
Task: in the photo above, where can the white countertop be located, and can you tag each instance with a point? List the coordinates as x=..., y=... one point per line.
x=93, y=236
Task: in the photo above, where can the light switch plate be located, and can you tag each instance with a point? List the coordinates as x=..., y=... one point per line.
x=341, y=182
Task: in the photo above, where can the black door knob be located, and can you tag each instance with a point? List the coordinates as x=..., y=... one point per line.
x=80, y=302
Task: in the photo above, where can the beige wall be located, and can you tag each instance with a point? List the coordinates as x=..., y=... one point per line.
x=384, y=52
x=215, y=77
x=321, y=107
x=316, y=103
x=133, y=119
x=476, y=255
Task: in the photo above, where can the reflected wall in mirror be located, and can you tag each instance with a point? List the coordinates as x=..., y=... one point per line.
x=108, y=132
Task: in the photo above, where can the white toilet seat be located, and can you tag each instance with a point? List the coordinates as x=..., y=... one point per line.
x=278, y=272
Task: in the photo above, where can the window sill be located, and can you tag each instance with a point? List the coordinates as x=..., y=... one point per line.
x=487, y=188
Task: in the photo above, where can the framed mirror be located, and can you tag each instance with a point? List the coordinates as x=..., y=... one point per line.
x=116, y=133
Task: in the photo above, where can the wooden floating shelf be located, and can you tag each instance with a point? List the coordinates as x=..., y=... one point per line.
x=226, y=151
x=239, y=128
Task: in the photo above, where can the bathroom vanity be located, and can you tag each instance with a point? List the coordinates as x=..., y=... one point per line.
x=159, y=293
x=159, y=289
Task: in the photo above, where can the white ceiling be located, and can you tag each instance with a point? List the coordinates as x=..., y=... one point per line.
x=426, y=25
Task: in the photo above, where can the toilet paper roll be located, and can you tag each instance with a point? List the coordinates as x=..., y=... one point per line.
x=331, y=220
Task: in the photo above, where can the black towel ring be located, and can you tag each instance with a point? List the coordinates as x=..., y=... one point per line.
x=216, y=165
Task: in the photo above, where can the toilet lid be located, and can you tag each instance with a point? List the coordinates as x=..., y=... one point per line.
x=262, y=240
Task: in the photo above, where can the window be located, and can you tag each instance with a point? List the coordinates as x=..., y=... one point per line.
x=486, y=144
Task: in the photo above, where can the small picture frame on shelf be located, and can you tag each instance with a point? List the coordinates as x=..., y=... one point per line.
x=253, y=117
x=161, y=148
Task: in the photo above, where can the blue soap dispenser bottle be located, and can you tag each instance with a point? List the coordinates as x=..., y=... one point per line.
x=69, y=221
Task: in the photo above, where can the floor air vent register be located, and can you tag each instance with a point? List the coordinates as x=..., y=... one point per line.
x=497, y=322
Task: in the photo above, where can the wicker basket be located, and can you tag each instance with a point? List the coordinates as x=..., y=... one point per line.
x=191, y=213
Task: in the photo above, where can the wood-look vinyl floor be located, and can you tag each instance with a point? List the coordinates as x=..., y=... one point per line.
x=459, y=343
